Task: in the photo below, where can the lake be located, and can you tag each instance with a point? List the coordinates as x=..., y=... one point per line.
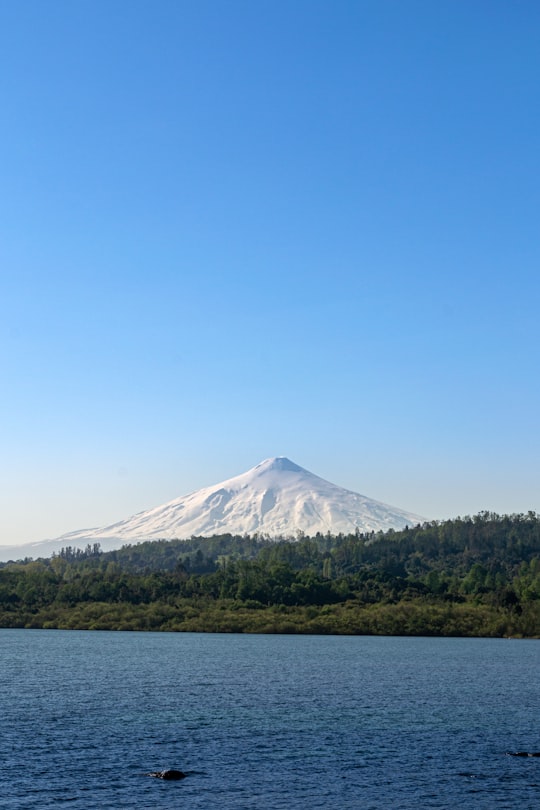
x=267, y=722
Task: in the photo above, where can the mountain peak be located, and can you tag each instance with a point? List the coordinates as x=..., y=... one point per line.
x=278, y=463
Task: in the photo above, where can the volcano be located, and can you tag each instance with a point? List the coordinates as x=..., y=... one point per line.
x=277, y=498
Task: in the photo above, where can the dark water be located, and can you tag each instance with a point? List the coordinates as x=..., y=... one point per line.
x=267, y=722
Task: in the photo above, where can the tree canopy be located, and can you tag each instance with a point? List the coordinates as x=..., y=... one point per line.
x=468, y=576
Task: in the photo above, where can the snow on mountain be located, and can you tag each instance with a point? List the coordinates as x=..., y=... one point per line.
x=275, y=498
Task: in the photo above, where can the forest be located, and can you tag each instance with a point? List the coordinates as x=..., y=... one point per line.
x=470, y=576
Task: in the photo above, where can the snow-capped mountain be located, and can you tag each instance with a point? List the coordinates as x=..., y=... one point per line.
x=275, y=498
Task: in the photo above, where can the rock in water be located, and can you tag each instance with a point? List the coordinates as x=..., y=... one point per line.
x=169, y=773
x=523, y=753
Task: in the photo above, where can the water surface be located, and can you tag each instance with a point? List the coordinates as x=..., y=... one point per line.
x=267, y=722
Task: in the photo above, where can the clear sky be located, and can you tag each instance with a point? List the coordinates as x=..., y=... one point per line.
x=235, y=229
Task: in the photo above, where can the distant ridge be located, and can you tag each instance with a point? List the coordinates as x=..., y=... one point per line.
x=275, y=498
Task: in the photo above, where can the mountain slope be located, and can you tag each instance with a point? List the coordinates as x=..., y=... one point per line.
x=277, y=497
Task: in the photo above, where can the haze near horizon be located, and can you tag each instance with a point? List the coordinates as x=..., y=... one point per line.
x=231, y=232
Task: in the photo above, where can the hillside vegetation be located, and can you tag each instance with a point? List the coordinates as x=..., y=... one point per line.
x=472, y=576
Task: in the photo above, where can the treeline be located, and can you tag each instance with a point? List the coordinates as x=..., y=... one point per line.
x=469, y=576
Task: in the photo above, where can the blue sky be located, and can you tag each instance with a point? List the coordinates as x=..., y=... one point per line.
x=234, y=230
